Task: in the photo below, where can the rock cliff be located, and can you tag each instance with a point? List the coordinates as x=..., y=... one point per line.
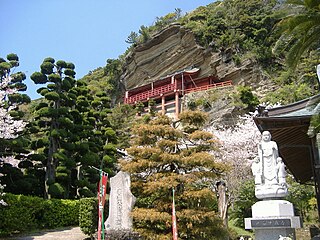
x=175, y=48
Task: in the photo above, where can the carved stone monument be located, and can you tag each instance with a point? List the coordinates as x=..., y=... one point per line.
x=272, y=217
x=120, y=204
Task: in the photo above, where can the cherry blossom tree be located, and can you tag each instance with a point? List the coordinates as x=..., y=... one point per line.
x=238, y=149
x=10, y=84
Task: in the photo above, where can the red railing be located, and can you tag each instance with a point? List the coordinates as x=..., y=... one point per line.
x=207, y=87
x=150, y=93
x=156, y=92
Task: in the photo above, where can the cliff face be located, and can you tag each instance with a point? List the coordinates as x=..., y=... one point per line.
x=175, y=49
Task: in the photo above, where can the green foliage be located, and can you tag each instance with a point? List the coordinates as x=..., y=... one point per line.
x=289, y=93
x=132, y=38
x=247, y=98
x=71, y=129
x=56, y=190
x=60, y=213
x=243, y=203
x=122, y=118
x=300, y=29
x=39, y=78
x=88, y=212
x=47, y=67
x=300, y=196
x=236, y=25
x=145, y=32
x=105, y=80
x=315, y=123
x=28, y=213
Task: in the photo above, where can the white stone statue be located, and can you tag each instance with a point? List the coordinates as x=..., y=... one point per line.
x=269, y=170
x=121, y=203
x=256, y=171
x=268, y=153
x=281, y=171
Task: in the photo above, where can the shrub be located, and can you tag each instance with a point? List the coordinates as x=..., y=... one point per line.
x=24, y=213
x=21, y=214
x=88, y=215
x=60, y=213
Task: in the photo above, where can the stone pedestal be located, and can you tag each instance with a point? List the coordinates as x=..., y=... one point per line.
x=272, y=219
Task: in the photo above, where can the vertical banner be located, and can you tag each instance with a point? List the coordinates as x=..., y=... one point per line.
x=174, y=220
x=318, y=72
x=101, y=201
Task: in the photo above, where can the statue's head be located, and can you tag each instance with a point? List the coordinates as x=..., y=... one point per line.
x=266, y=136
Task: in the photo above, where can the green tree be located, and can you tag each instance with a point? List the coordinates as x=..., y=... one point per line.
x=71, y=130
x=53, y=119
x=132, y=38
x=95, y=142
x=122, y=118
x=300, y=196
x=300, y=28
x=236, y=27
x=166, y=157
x=242, y=204
x=247, y=98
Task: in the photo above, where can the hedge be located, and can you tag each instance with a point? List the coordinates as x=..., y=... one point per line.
x=25, y=213
x=88, y=216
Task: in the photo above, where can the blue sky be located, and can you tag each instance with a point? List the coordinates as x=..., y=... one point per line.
x=83, y=32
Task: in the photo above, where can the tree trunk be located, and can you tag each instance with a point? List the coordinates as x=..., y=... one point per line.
x=222, y=201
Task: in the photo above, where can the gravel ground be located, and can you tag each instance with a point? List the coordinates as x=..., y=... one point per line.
x=65, y=233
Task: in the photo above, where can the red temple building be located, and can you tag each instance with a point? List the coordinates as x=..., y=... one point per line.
x=167, y=91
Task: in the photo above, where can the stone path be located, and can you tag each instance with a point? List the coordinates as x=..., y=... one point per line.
x=73, y=233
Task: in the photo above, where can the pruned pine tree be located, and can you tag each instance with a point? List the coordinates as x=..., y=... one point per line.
x=164, y=157
x=53, y=122
x=72, y=135
x=94, y=139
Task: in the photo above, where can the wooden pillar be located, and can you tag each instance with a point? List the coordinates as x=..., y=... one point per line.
x=177, y=105
x=182, y=84
x=163, y=102
x=316, y=168
x=126, y=97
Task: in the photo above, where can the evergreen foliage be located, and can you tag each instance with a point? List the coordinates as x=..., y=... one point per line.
x=71, y=132
x=166, y=157
x=106, y=80
x=243, y=203
x=121, y=118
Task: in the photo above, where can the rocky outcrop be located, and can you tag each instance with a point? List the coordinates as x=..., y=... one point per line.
x=174, y=49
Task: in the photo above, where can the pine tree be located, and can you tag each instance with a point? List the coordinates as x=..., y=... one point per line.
x=96, y=145
x=122, y=118
x=52, y=122
x=165, y=155
x=72, y=135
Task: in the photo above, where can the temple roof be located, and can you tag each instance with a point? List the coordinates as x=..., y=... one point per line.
x=289, y=127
